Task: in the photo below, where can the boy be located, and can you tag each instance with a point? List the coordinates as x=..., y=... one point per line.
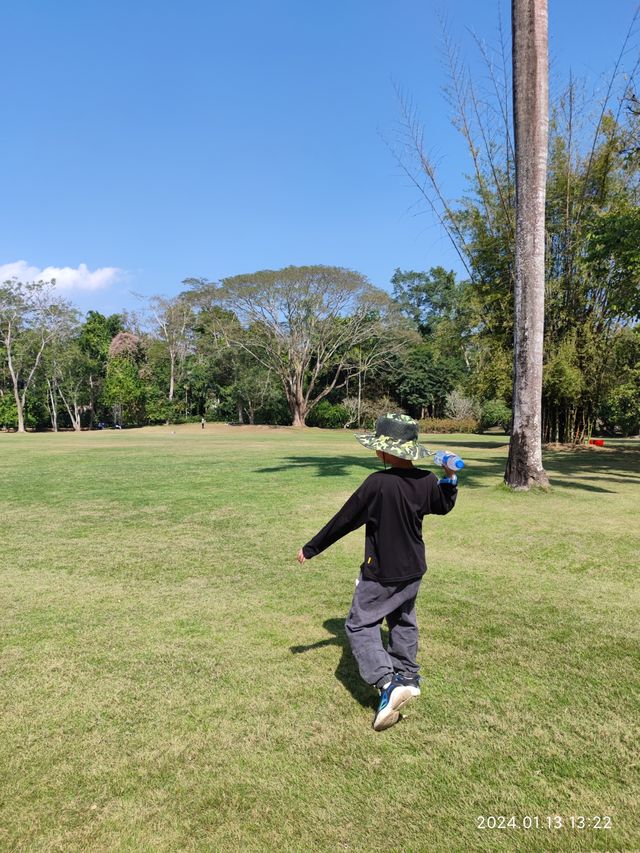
x=392, y=504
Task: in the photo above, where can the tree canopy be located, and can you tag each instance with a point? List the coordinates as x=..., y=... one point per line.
x=302, y=324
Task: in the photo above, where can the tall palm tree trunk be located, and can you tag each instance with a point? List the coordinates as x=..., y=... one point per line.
x=531, y=128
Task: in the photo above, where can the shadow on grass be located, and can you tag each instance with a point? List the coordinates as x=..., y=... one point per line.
x=326, y=466
x=473, y=443
x=347, y=670
x=567, y=470
x=339, y=466
x=619, y=465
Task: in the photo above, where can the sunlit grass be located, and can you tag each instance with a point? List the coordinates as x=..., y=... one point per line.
x=173, y=680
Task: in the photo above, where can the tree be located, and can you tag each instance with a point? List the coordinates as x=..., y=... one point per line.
x=426, y=297
x=424, y=381
x=31, y=317
x=439, y=307
x=172, y=319
x=95, y=336
x=124, y=387
x=592, y=234
x=531, y=123
x=255, y=390
x=302, y=323
x=66, y=373
x=72, y=381
x=620, y=410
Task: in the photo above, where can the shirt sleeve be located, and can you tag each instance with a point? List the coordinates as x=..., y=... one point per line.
x=442, y=497
x=351, y=516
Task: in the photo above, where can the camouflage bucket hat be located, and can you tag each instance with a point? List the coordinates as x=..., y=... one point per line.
x=397, y=435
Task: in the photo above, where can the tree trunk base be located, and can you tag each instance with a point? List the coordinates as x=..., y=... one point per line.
x=524, y=472
x=298, y=416
x=541, y=483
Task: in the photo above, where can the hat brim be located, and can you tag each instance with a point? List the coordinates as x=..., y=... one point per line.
x=402, y=449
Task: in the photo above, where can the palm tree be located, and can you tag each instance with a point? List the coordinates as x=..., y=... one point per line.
x=531, y=126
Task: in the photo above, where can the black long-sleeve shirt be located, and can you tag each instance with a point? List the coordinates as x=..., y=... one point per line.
x=392, y=504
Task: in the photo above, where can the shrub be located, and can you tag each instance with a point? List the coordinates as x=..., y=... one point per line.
x=460, y=407
x=158, y=409
x=8, y=412
x=495, y=413
x=185, y=419
x=621, y=411
x=437, y=425
x=327, y=415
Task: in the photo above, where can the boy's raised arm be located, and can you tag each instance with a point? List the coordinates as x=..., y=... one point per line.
x=351, y=516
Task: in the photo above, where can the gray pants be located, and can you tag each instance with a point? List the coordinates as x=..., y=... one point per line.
x=372, y=603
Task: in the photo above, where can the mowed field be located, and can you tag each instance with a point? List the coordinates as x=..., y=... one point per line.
x=172, y=679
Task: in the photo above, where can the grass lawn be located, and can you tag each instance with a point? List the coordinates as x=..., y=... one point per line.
x=173, y=680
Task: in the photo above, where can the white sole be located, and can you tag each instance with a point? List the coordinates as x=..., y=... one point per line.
x=389, y=716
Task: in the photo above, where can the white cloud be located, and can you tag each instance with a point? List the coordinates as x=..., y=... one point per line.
x=67, y=278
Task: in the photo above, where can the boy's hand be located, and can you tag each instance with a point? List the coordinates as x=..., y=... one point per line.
x=449, y=472
x=301, y=556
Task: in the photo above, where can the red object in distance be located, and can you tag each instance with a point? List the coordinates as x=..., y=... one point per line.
x=599, y=442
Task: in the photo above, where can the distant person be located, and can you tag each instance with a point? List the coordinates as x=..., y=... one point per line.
x=202, y=423
x=392, y=504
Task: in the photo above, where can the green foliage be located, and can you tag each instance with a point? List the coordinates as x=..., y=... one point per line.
x=125, y=389
x=448, y=425
x=158, y=409
x=495, y=413
x=303, y=323
x=34, y=417
x=256, y=389
x=32, y=318
x=225, y=407
x=438, y=306
x=96, y=333
x=592, y=250
x=620, y=412
x=424, y=380
x=426, y=297
x=275, y=410
x=563, y=381
x=94, y=338
x=491, y=375
x=328, y=415
x=8, y=412
x=613, y=257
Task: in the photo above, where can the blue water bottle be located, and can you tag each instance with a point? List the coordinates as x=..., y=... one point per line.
x=449, y=460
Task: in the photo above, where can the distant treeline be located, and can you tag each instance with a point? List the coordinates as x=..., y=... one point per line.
x=307, y=345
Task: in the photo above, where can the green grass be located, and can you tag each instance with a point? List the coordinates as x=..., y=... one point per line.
x=173, y=680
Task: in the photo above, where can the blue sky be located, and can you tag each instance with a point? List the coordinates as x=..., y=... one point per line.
x=152, y=141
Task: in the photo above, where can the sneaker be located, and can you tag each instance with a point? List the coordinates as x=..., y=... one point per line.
x=412, y=682
x=392, y=697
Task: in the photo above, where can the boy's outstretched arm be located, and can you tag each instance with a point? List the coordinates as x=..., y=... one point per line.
x=351, y=516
